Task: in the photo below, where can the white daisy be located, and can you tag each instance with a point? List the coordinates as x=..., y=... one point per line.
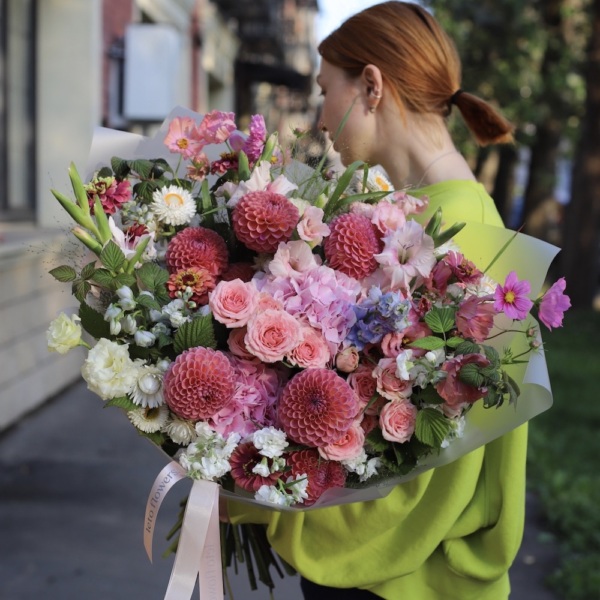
x=149, y=420
x=173, y=205
x=180, y=431
x=378, y=182
x=148, y=391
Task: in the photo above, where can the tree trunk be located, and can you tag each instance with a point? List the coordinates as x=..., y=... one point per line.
x=505, y=181
x=580, y=256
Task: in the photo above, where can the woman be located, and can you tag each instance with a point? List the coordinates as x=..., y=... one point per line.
x=452, y=532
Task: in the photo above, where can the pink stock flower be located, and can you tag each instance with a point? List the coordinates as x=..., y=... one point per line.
x=407, y=253
x=233, y=302
x=397, y=421
x=475, y=318
x=311, y=227
x=554, y=304
x=349, y=446
x=216, y=127
x=511, y=298
x=454, y=391
x=181, y=137
x=272, y=334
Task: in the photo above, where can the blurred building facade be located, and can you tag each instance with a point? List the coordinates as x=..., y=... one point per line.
x=68, y=66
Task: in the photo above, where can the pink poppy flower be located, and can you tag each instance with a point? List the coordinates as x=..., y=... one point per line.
x=181, y=139
x=554, y=304
x=511, y=298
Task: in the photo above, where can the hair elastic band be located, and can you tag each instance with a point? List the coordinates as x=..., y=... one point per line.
x=454, y=96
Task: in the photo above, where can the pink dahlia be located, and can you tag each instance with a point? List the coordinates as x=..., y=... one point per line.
x=317, y=407
x=199, y=280
x=352, y=245
x=243, y=459
x=241, y=270
x=261, y=220
x=111, y=193
x=199, y=383
x=322, y=474
x=197, y=247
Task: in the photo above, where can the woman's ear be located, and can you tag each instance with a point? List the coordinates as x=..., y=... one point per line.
x=372, y=81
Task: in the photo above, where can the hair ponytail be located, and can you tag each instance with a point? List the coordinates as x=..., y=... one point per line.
x=483, y=120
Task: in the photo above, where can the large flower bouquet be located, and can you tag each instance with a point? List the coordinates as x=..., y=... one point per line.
x=292, y=335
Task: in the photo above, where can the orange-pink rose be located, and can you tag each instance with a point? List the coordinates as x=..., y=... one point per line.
x=363, y=383
x=312, y=351
x=397, y=420
x=272, y=334
x=349, y=446
x=389, y=385
x=233, y=302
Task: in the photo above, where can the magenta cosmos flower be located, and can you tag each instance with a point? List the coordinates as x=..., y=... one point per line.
x=511, y=298
x=554, y=304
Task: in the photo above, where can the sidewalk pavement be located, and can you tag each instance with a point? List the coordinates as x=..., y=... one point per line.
x=74, y=480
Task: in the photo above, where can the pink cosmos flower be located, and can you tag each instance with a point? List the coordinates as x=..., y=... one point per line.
x=475, y=318
x=216, y=127
x=349, y=446
x=182, y=139
x=554, y=304
x=311, y=227
x=407, y=253
x=454, y=391
x=511, y=298
x=397, y=421
x=312, y=351
x=272, y=334
x=233, y=302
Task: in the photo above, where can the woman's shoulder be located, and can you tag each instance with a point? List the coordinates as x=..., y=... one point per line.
x=460, y=200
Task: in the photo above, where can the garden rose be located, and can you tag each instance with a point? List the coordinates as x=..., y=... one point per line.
x=312, y=351
x=397, y=421
x=346, y=361
x=349, y=446
x=272, y=334
x=233, y=302
x=388, y=384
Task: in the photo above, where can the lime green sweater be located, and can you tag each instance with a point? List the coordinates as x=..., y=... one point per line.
x=448, y=534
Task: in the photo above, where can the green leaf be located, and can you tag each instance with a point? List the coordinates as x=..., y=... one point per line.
x=163, y=340
x=120, y=167
x=198, y=332
x=123, y=402
x=112, y=256
x=88, y=271
x=104, y=278
x=467, y=347
x=428, y=395
x=64, y=273
x=471, y=375
x=80, y=289
x=492, y=355
x=376, y=441
x=152, y=276
x=148, y=302
x=429, y=342
x=105, y=172
x=142, y=167
x=332, y=205
x=93, y=322
x=431, y=427
x=454, y=342
x=122, y=279
x=440, y=320
x=448, y=234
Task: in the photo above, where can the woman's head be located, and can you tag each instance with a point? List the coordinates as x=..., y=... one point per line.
x=418, y=62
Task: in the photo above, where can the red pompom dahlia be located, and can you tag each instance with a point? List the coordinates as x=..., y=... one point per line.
x=261, y=220
x=199, y=383
x=197, y=247
x=240, y=270
x=322, y=474
x=352, y=245
x=317, y=407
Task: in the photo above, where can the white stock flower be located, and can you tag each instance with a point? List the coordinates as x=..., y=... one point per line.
x=404, y=364
x=144, y=339
x=149, y=420
x=148, y=390
x=173, y=205
x=173, y=311
x=298, y=487
x=109, y=370
x=371, y=469
x=269, y=441
x=129, y=324
x=126, y=299
x=262, y=468
x=64, y=333
x=271, y=495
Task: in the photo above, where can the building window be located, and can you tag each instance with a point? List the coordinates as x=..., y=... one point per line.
x=17, y=110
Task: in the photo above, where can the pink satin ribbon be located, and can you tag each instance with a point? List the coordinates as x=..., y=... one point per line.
x=199, y=549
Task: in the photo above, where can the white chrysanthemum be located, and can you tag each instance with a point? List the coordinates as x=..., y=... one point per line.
x=149, y=420
x=148, y=391
x=109, y=370
x=269, y=441
x=378, y=182
x=180, y=431
x=64, y=333
x=173, y=205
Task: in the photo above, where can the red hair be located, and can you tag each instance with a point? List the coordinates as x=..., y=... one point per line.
x=417, y=60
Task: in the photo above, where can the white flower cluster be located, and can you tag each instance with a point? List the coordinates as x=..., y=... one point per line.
x=208, y=456
x=362, y=465
x=293, y=491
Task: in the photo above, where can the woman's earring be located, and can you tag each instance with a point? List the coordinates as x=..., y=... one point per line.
x=377, y=96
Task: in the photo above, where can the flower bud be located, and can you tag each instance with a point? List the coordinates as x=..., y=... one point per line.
x=347, y=360
x=144, y=339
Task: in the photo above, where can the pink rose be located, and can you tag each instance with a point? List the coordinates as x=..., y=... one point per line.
x=233, y=302
x=312, y=351
x=363, y=383
x=349, y=446
x=397, y=421
x=346, y=361
x=272, y=334
x=266, y=301
x=311, y=227
x=452, y=389
x=388, y=384
x=236, y=343
x=387, y=216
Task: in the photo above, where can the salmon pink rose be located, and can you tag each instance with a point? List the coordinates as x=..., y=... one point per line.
x=389, y=385
x=397, y=421
x=272, y=334
x=349, y=446
x=363, y=383
x=346, y=361
x=236, y=343
x=312, y=351
x=233, y=302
